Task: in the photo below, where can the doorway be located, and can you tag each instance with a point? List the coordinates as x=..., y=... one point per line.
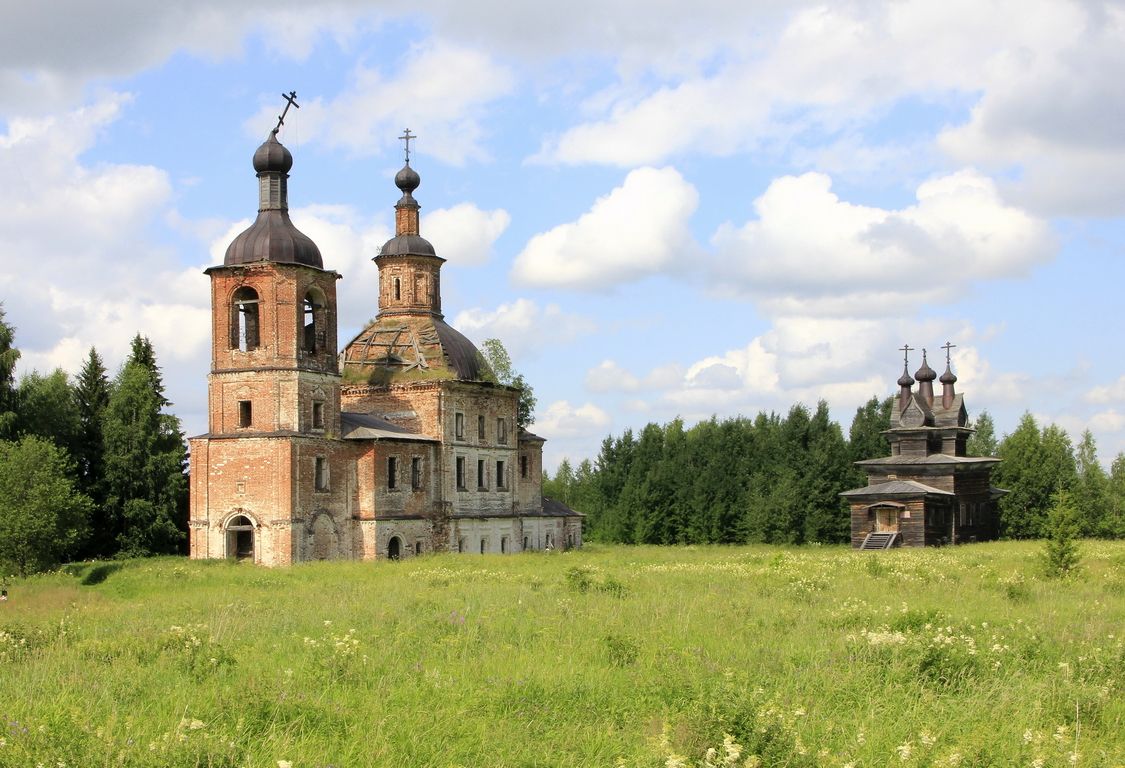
x=394, y=548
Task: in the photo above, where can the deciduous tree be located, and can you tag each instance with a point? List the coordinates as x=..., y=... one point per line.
x=43, y=517
x=8, y=357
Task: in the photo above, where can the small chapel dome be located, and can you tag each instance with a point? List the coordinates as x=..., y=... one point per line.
x=272, y=156
x=407, y=179
x=904, y=380
x=925, y=373
x=948, y=377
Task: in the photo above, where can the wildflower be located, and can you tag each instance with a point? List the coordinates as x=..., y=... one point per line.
x=1028, y=736
x=927, y=738
x=284, y=764
x=904, y=751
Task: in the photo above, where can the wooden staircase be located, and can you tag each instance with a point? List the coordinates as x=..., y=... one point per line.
x=880, y=540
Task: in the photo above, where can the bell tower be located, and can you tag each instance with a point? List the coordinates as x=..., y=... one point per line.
x=274, y=385
x=409, y=269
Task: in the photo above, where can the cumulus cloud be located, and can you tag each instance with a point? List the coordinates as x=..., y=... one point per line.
x=77, y=274
x=562, y=420
x=464, y=234
x=522, y=325
x=439, y=89
x=638, y=229
x=810, y=253
x=1108, y=393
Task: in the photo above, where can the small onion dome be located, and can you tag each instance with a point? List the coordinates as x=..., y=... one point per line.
x=904, y=380
x=925, y=373
x=948, y=377
x=407, y=179
x=408, y=245
x=272, y=157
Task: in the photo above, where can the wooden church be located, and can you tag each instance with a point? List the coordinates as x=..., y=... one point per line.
x=928, y=491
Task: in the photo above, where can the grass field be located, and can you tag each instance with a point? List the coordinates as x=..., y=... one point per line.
x=605, y=657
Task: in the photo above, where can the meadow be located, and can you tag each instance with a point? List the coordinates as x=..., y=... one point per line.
x=609, y=656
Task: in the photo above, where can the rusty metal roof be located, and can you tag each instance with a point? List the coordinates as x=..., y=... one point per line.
x=273, y=237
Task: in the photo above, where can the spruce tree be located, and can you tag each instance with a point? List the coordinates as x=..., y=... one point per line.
x=1091, y=492
x=91, y=393
x=1060, y=554
x=144, y=460
x=983, y=441
x=8, y=357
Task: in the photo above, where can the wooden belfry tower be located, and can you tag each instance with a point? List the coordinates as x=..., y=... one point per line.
x=928, y=491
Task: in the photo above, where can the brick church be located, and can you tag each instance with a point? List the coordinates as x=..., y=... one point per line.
x=928, y=491
x=399, y=445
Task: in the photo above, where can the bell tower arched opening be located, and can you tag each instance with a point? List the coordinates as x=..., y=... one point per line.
x=244, y=321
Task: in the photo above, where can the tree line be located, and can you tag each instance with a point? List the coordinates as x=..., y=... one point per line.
x=777, y=479
x=90, y=467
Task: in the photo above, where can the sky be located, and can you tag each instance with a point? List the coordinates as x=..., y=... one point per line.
x=661, y=212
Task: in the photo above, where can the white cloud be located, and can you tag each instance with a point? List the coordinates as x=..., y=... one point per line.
x=440, y=90
x=522, y=325
x=608, y=376
x=464, y=234
x=1108, y=393
x=859, y=261
x=638, y=229
x=562, y=420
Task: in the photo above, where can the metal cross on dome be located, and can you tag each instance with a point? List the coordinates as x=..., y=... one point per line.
x=948, y=347
x=406, y=137
x=291, y=101
x=906, y=349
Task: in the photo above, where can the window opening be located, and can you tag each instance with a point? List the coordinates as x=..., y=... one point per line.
x=523, y=466
x=245, y=413
x=312, y=313
x=392, y=472
x=459, y=426
x=482, y=479
x=483, y=545
x=318, y=415
x=525, y=542
x=461, y=544
x=321, y=473
x=416, y=473
x=502, y=431
x=500, y=475
x=398, y=289
x=503, y=545
x=417, y=548
x=460, y=473
x=480, y=428
x=244, y=322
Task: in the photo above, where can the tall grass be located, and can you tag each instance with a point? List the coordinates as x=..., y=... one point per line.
x=609, y=656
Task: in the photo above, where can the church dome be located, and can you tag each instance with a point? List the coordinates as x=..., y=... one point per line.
x=272, y=156
x=272, y=236
x=407, y=245
x=925, y=373
x=407, y=179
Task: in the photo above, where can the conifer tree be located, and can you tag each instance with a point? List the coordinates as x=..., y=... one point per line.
x=91, y=393
x=144, y=459
x=1091, y=492
x=8, y=357
x=1062, y=529
x=983, y=441
x=1114, y=524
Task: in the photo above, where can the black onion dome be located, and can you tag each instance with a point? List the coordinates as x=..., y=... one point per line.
x=272, y=156
x=925, y=373
x=407, y=179
x=272, y=237
x=408, y=245
x=948, y=377
x=904, y=380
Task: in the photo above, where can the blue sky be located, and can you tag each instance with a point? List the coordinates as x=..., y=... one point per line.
x=660, y=213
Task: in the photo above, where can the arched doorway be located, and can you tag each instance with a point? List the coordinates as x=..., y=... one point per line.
x=240, y=538
x=394, y=548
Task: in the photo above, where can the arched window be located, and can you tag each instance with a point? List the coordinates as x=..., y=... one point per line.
x=398, y=289
x=244, y=320
x=314, y=322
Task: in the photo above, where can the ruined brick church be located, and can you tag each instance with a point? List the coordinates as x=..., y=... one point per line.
x=401, y=444
x=928, y=491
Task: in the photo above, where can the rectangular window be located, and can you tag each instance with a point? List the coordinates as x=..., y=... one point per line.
x=392, y=472
x=482, y=478
x=523, y=465
x=245, y=413
x=459, y=426
x=502, y=431
x=460, y=473
x=321, y=480
x=480, y=428
x=318, y=415
x=500, y=481
x=416, y=473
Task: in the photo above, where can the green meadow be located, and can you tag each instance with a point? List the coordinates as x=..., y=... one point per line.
x=609, y=656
